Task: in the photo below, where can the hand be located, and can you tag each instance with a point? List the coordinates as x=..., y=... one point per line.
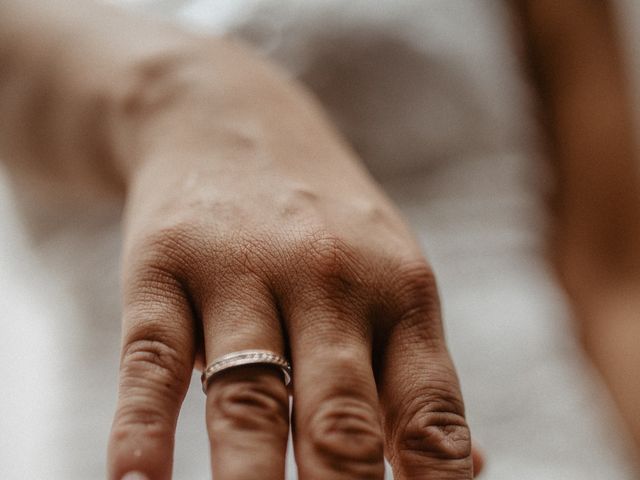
x=253, y=226
x=249, y=225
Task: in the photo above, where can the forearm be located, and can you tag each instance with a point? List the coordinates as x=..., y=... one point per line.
x=578, y=64
x=87, y=91
x=577, y=59
x=612, y=339
x=64, y=67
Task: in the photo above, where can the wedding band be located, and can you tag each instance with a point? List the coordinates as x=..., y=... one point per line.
x=245, y=357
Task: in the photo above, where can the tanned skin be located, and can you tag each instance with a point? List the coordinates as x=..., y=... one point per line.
x=251, y=224
x=576, y=58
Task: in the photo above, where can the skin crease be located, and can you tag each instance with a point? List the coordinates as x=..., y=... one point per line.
x=249, y=224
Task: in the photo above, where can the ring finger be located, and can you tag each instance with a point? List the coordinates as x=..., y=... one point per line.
x=247, y=406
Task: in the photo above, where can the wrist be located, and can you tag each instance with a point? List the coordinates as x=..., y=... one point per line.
x=225, y=107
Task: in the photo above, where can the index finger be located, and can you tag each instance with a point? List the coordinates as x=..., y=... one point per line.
x=157, y=360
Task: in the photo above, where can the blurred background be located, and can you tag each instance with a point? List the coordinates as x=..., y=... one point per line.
x=432, y=95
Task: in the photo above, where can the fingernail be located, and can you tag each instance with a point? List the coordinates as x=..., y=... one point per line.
x=135, y=476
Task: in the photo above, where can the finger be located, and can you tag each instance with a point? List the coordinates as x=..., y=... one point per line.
x=337, y=432
x=156, y=365
x=247, y=407
x=427, y=435
x=478, y=461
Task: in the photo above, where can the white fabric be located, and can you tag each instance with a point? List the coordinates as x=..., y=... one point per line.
x=429, y=93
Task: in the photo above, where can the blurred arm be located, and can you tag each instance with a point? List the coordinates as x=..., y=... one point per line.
x=85, y=88
x=578, y=64
x=64, y=83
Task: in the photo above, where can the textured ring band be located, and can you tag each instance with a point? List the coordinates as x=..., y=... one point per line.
x=245, y=357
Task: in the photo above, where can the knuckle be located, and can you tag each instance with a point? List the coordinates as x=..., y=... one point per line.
x=151, y=379
x=326, y=253
x=416, y=281
x=153, y=364
x=168, y=247
x=415, y=289
x=345, y=432
x=330, y=260
x=171, y=262
x=152, y=289
x=132, y=417
x=251, y=404
x=435, y=428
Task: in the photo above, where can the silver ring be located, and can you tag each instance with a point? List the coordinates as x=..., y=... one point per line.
x=245, y=357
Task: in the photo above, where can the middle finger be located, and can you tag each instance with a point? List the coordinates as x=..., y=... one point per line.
x=337, y=429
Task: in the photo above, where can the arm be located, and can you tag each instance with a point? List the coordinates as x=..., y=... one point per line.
x=577, y=61
x=66, y=80
x=85, y=89
x=249, y=224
